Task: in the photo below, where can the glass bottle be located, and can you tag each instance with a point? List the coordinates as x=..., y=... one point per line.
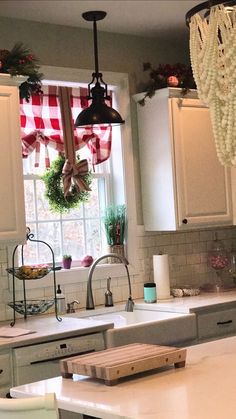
x=218, y=259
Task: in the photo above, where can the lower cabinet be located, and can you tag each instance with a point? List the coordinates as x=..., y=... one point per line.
x=5, y=373
x=180, y=331
x=214, y=324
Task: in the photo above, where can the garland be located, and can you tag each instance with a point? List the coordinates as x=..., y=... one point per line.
x=54, y=191
x=20, y=61
x=167, y=75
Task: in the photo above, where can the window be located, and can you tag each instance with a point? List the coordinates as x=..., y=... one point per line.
x=110, y=183
x=78, y=232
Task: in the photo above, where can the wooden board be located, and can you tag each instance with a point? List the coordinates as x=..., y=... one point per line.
x=122, y=361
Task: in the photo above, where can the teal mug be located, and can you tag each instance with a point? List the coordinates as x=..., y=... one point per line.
x=150, y=295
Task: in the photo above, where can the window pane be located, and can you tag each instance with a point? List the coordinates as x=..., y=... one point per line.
x=73, y=239
x=30, y=250
x=92, y=207
x=51, y=233
x=43, y=210
x=93, y=238
x=74, y=213
x=29, y=200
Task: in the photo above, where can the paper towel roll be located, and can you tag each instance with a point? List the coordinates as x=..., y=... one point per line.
x=161, y=276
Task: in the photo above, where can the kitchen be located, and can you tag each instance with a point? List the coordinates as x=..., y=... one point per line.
x=187, y=249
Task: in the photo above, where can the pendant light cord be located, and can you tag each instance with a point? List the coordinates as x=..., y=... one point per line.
x=95, y=42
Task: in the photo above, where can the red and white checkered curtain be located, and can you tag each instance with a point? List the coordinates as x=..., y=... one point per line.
x=41, y=126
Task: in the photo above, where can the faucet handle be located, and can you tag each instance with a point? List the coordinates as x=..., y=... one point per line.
x=108, y=294
x=70, y=306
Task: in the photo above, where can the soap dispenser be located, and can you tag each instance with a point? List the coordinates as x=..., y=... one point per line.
x=61, y=301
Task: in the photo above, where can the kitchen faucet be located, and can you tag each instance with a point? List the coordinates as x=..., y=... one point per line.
x=90, y=302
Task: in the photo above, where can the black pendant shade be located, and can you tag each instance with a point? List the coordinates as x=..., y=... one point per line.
x=98, y=112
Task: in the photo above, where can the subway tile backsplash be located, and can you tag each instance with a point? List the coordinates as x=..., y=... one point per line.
x=187, y=262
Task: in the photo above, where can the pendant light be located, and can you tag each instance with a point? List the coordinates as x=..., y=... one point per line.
x=206, y=5
x=98, y=112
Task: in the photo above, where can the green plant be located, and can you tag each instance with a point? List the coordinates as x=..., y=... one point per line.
x=114, y=220
x=54, y=188
x=160, y=77
x=20, y=61
x=67, y=257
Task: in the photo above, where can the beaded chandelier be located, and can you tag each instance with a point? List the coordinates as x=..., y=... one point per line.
x=213, y=60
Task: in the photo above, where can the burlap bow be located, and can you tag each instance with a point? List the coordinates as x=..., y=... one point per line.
x=72, y=173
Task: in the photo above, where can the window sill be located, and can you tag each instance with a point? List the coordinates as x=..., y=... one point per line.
x=77, y=275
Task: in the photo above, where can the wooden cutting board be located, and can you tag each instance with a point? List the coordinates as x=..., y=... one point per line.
x=122, y=361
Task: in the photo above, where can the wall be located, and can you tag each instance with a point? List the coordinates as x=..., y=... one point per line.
x=188, y=266
x=64, y=46
x=72, y=47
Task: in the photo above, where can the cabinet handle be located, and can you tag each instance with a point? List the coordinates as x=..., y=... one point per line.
x=226, y=322
x=185, y=221
x=1, y=371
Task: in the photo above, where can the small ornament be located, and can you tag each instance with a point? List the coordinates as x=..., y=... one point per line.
x=86, y=261
x=172, y=81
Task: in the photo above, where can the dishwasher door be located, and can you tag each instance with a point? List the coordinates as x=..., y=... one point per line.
x=41, y=361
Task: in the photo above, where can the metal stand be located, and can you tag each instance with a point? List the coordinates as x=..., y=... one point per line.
x=30, y=237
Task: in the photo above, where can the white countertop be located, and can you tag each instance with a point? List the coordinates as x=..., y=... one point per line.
x=204, y=389
x=48, y=328
x=191, y=304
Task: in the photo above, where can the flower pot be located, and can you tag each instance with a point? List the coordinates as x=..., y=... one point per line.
x=66, y=263
x=118, y=249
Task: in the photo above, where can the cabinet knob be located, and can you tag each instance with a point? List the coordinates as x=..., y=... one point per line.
x=185, y=221
x=1, y=371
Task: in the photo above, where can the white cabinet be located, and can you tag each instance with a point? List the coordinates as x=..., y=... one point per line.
x=5, y=372
x=216, y=324
x=12, y=213
x=183, y=184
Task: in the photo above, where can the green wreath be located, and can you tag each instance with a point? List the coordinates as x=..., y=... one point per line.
x=54, y=188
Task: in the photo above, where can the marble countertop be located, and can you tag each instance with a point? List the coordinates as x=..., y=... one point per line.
x=46, y=328
x=194, y=304
x=205, y=388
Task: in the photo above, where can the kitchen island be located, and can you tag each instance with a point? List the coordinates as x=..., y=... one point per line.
x=204, y=389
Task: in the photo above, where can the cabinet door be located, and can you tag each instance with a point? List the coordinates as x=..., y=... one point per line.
x=203, y=184
x=12, y=216
x=216, y=324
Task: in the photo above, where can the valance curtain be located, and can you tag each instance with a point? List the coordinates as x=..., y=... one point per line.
x=41, y=125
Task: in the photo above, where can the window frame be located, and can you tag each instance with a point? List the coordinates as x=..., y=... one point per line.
x=119, y=83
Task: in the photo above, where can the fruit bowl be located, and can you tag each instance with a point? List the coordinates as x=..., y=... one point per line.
x=32, y=307
x=29, y=272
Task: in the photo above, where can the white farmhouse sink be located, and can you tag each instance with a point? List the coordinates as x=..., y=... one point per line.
x=144, y=326
x=123, y=318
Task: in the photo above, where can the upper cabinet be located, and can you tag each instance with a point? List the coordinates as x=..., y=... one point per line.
x=12, y=213
x=183, y=184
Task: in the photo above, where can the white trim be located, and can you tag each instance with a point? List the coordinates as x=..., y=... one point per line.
x=74, y=276
x=119, y=81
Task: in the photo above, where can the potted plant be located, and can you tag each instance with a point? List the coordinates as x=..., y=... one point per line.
x=66, y=261
x=114, y=220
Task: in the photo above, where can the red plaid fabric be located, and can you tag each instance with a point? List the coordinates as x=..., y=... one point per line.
x=41, y=125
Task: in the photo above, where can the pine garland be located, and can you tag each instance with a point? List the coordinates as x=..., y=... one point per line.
x=20, y=61
x=159, y=78
x=54, y=188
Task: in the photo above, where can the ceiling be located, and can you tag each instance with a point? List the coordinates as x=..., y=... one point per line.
x=144, y=18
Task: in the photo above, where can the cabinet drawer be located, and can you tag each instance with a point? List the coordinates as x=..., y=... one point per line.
x=5, y=369
x=219, y=323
